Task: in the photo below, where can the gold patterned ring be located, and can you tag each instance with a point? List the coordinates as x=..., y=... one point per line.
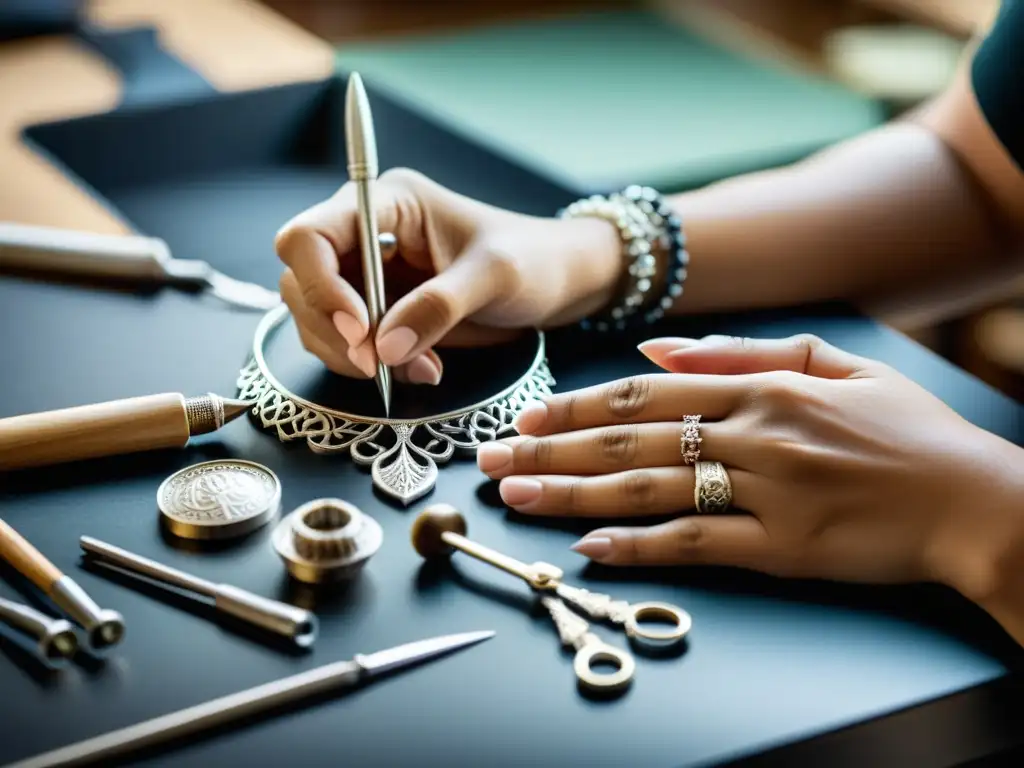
x=712, y=491
x=690, y=440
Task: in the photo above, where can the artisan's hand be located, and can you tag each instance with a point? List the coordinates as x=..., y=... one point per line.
x=464, y=273
x=849, y=470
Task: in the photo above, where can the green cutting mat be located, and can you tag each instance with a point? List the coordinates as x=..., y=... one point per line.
x=602, y=100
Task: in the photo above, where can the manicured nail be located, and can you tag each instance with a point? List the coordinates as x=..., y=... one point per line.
x=423, y=370
x=350, y=329
x=362, y=358
x=520, y=491
x=531, y=417
x=656, y=349
x=596, y=547
x=394, y=345
x=493, y=457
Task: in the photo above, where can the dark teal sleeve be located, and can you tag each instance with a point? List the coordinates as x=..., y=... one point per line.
x=997, y=75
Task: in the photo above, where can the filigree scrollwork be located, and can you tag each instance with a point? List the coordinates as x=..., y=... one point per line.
x=403, y=455
x=595, y=604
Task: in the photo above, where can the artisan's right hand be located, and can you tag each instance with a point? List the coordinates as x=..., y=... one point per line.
x=463, y=274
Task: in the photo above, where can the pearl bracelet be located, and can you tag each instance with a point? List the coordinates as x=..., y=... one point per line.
x=645, y=223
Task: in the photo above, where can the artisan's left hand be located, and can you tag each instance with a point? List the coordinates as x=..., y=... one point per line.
x=847, y=469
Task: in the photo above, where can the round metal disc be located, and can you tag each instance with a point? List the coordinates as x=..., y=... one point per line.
x=219, y=499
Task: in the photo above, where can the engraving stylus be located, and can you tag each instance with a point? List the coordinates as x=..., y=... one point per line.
x=361, y=145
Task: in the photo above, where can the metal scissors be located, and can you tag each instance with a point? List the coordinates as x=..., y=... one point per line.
x=441, y=528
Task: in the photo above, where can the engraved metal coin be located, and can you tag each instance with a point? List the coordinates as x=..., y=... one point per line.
x=219, y=499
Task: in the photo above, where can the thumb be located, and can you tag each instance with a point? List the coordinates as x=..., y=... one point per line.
x=723, y=355
x=425, y=315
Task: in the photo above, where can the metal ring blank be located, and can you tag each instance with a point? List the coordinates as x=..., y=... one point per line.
x=654, y=610
x=590, y=654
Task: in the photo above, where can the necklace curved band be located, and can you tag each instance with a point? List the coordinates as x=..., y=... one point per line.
x=403, y=454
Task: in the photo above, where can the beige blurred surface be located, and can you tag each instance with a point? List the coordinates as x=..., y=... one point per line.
x=235, y=44
x=43, y=80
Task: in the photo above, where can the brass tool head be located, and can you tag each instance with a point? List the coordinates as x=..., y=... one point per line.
x=430, y=526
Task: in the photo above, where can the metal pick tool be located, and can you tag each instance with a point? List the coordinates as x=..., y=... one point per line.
x=327, y=540
x=263, y=698
x=54, y=640
x=361, y=147
x=286, y=620
x=219, y=499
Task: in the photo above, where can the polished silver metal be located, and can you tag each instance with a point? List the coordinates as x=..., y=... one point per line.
x=104, y=628
x=219, y=499
x=296, y=624
x=361, y=146
x=405, y=471
x=229, y=709
x=53, y=641
x=327, y=540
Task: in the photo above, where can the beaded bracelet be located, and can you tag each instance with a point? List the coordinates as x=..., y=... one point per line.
x=638, y=238
x=645, y=222
x=672, y=240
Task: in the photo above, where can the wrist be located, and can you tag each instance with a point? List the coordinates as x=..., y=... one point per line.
x=980, y=552
x=592, y=249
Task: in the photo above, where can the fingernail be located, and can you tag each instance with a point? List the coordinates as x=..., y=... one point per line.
x=656, y=349
x=350, y=329
x=395, y=345
x=492, y=457
x=362, y=358
x=531, y=417
x=519, y=491
x=423, y=370
x=595, y=547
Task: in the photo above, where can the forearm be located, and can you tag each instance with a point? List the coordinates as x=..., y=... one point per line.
x=862, y=220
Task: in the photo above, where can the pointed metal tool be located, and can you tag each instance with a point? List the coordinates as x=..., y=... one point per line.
x=361, y=146
x=187, y=722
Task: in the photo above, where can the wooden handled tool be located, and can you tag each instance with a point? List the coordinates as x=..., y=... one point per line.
x=112, y=428
x=131, y=259
x=104, y=628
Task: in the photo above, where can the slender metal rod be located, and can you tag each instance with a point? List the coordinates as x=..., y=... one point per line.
x=199, y=718
x=296, y=624
x=488, y=555
x=145, y=567
x=361, y=146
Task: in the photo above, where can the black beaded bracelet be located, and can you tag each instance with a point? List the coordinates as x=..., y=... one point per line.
x=672, y=240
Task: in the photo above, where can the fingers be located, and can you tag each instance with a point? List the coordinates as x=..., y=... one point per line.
x=732, y=355
x=605, y=450
x=731, y=540
x=638, y=492
x=320, y=337
x=312, y=244
x=312, y=259
x=639, y=399
x=421, y=318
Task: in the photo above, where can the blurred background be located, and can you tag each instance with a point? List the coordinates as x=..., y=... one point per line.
x=705, y=88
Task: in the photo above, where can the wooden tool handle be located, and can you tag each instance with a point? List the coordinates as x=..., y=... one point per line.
x=69, y=252
x=26, y=559
x=92, y=431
